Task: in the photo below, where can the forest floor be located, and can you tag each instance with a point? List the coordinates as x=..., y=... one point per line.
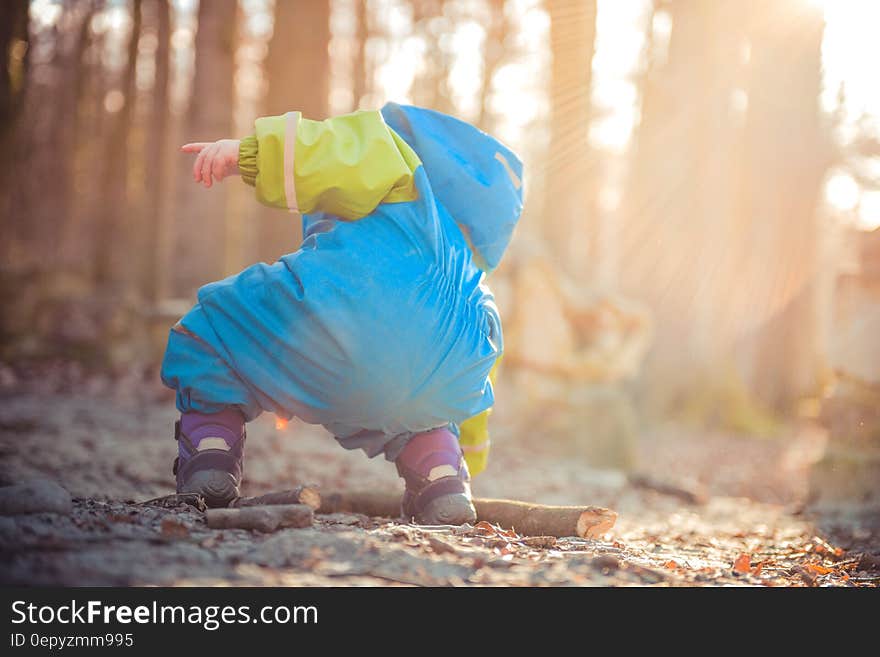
x=110, y=445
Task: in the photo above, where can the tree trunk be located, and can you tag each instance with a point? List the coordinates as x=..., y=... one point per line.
x=41, y=145
x=493, y=57
x=298, y=71
x=676, y=231
x=361, y=72
x=13, y=28
x=81, y=196
x=154, y=223
x=13, y=48
x=114, y=248
x=571, y=224
x=299, y=59
x=431, y=85
x=199, y=242
x=787, y=151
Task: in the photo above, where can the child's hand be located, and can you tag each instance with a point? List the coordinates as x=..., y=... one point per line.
x=218, y=159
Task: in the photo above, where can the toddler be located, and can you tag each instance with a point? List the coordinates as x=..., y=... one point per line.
x=379, y=327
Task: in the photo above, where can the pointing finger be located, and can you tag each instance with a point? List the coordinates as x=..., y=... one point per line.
x=195, y=147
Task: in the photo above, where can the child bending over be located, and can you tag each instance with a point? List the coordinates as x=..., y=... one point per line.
x=379, y=326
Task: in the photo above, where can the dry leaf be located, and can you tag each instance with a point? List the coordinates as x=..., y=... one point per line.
x=743, y=563
x=484, y=528
x=817, y=569
x=672, y=565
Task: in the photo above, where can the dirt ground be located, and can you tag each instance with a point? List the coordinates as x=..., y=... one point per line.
x=736, y=513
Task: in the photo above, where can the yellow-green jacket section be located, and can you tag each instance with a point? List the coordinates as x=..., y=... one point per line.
x=344, y=166
x=474, y=434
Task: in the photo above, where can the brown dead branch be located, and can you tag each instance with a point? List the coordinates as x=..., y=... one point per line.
x=526, y=518
x=307, y=495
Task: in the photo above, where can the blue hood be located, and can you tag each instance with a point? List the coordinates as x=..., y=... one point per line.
x=473, y=175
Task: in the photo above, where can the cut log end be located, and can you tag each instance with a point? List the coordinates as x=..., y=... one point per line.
x=310, y=497
x=595, y=521
x=546, y=520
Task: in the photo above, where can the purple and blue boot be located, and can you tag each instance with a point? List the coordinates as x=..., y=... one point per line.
x=210, y=455
x=438, y=488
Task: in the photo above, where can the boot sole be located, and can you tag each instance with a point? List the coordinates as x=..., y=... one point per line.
x=451, y=509
x=218, y=487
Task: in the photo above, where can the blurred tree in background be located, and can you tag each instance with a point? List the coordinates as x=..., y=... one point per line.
x=699, y=173
x=298, y=77
x=199, y=222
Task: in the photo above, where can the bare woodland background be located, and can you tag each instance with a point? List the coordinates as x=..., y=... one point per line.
x=699, y=240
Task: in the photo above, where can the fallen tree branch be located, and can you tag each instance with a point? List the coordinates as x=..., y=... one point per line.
x=544, y=520
x=260, y=518
x=307, y=495
x=526, y=518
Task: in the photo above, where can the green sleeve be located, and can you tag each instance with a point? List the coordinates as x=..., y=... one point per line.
x=247, y=160
x=345, y=165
